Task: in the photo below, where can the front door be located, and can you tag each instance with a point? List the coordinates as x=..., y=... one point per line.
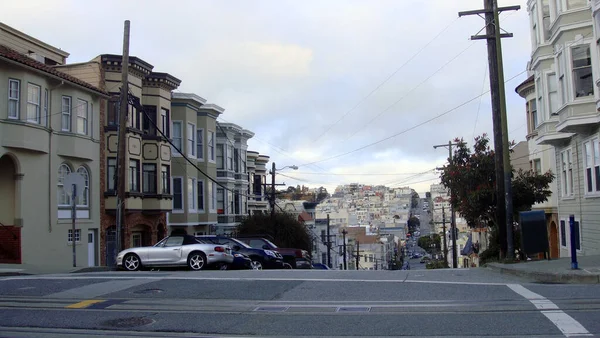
x=554, y=241
x=91, y=248
x=168, y=253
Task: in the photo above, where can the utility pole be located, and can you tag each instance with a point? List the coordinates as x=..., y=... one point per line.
x=121, y=150
x=272, y=190
x=358, y=255
x=344, y=232
x=444, y=231
x=328, y=244
x=453, y=212
x=494, y=36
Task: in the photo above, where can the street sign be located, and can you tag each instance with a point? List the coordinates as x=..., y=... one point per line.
x=74, y=178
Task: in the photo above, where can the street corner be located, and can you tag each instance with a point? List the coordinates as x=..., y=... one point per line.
x=551, y=276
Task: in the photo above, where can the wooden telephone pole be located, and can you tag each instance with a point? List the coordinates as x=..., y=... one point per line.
x=501, y=146
x=122, y=140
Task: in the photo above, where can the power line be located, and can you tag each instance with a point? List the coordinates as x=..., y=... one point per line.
x=384, y=82
x=353, y=174
x=410, y=91
x=408, y=129
x=481, y=97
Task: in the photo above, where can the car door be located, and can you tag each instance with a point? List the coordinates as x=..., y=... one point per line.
x=168, y=253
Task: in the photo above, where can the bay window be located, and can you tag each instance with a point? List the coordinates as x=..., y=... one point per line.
x=583, y=82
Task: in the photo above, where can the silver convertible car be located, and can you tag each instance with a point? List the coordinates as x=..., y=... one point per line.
x=181, y=250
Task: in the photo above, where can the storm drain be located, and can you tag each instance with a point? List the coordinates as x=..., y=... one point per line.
x=146, y=291
x=353, y=309
x=271, y=309
x=128, y=322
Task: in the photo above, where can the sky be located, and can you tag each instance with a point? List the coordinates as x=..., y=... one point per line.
x=347, y=90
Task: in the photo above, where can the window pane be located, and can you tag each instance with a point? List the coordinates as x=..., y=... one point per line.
x=191, y=190
x=582, y=71
x=177, y=136
x=572, y=4
x=200, y=190
x=200, y=143
x=177, y=194
x=149, y=178
x=111, y=171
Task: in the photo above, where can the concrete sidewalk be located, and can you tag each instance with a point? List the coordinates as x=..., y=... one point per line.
x=29, y=269
x=554, y=271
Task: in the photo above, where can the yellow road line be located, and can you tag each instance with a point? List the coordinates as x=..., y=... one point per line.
x=84, y=304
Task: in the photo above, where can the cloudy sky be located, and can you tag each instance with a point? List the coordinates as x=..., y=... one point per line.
x=341, y=88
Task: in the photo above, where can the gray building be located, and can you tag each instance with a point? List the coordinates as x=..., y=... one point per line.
x=564, y=64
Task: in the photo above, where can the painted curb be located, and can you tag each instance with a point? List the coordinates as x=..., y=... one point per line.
x=547, y=277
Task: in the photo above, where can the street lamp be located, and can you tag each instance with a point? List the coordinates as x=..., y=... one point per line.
x=273, y=172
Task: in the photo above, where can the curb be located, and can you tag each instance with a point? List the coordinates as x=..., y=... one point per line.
x=95, y=269
x=546, y=277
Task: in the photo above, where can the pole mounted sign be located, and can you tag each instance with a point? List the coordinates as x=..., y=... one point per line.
x=74, y=184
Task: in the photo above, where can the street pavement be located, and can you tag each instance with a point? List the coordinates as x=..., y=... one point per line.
x=294, y=303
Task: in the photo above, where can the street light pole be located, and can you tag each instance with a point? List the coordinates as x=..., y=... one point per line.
x=344, y=232
x=272, y=196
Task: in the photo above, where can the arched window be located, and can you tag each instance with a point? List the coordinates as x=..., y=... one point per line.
x=63, y=197
x=84, y=196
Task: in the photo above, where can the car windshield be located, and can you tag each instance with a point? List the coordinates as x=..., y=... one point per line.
x=270, y=243
x=240, y=243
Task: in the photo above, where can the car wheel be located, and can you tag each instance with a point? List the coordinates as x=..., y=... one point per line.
x=287, y=266
x=196, y=261
x=256, y=265
x=224, y=266
x=131, y=262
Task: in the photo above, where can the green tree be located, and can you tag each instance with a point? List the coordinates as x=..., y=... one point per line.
x=284, y=228
x=472, y=179
x=414, y=199
x=413, y=224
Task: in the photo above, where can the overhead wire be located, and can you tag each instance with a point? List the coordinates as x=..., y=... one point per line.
x=408, y=129
x=363, y=126
x=384, y=81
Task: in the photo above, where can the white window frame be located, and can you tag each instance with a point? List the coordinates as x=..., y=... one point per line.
x=16, y=98
x=584, y=43
x=534, y=24
x=568, y=234
x=539, y=101
x=566, y=171
x=553, y=107
x=190, y=139
x=191, y=194
x=211, y=143
x=179, y=139
x=82, y=117
x=66, y=113
x=201, y=203
x=60, y=186
x=110, y=181
x=200, y=144
x=560, y=235
x=83, y=198
x=173, y=179
x=70, y=236
x=594, y=143
x=566, y=5
x=213, y=197
x=35, y=104
x=563, y=83
x=46, y=106
x=229, y=157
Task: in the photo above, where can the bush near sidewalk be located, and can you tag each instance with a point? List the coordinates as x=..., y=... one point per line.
x=437, y=265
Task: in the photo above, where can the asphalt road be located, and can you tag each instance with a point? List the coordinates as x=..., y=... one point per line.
x=294, y=303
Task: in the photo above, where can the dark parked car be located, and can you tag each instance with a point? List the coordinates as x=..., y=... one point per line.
x=295, y=257
x=260, y=258
x=320, y=266
x=240, y=261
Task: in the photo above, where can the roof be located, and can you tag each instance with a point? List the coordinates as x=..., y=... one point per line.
x=15, y=56
x=528, y=81
x=304, y=216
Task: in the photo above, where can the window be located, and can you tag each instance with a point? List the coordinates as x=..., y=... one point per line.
x=14, y=89
x=177, y=137
x=561, y=78
x=83, y=196
x=136, y=239
x=192, y=194
x=553, y=101
x=230, y=206
x=66, y=114
x=237, y=202
x=77, y=236
x=582, y=71
x=577, y=235
x=573, y=4
x=113, y=111
x=229, y=157
x=165, y=121
x=211, y=146
x=200, y=190
x=46, y=106
x=243, y=161
x=177, y=193
x=149, y=178
x=191, y=139
x=220, y=201
x=566, y=173
x=149, y=120
x=111, y=171
x=534, y=27
x=134, y=175
x=220, y=159
x=236, y=160
x=165, y=179
x=592, y=166
x=537, y=166
x=546, y=19
x=563, y=233
x=34, y=96
x=200, y=144
x=533, y=114
x=539, y=115
x=63, y=196
x=82, y=117
x=212, y=192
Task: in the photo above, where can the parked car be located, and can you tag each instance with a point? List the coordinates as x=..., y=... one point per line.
x=240, y=262
x=260, y=258
x=178, y=250
x=320, y=266
x=290, y=255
